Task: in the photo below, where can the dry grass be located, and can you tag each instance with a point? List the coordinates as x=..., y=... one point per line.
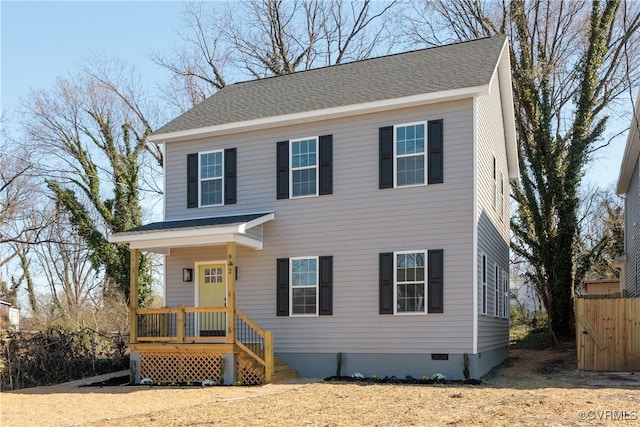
x=535, y=387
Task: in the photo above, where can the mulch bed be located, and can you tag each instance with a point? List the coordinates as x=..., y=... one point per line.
x=395, y=380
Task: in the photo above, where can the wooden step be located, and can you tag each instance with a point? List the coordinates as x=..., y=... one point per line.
x=280, y=367
x=282, y=371
x=279, y=377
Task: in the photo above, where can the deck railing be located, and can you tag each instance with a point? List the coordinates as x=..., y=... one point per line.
x=184, y=325
x=255, y=341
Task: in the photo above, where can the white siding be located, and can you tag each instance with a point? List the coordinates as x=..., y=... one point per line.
x=354, y=224
x=493, y=229
x=632, y=234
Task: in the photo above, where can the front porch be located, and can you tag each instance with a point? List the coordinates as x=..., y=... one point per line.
x=212, y=341
x=172, y=345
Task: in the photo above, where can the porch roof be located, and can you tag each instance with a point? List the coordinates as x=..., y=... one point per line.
x=161, y=236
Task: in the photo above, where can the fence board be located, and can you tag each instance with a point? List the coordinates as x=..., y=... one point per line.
x=608, y=334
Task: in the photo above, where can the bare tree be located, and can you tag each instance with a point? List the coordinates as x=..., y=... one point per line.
x=64, y=262
x=94, y=134
x=572, y=62
x=601, y=227
x=262, y=38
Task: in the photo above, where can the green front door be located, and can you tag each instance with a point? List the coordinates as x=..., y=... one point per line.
x=212, y=292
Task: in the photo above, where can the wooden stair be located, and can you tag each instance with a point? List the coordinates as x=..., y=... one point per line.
x=282, y=372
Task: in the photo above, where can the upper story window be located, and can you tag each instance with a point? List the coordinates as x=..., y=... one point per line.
x=410, y=155
x=211, y=172
x=304, y=167
x=211, y=178
x=498, y=190
x=501, y=195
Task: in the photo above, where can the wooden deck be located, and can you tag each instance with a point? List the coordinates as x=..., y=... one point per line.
x=186, y=344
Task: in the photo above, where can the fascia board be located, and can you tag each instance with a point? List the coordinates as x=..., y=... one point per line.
x=157, y=245
x=631, y=153
x=503, y=69
x=258, y=221
x=170, y=234
x=323, y=114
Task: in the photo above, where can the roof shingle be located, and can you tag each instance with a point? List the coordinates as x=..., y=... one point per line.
x=454, y=66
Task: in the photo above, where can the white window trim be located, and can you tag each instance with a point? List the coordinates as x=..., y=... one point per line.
x=506, y=307
x=316, y=167
x=483, y=278
x=395, y=283
x=501, y=196
x=200, y=154
x=317, y=287
x=495, y=184
x=496, y=292
x=395, y=155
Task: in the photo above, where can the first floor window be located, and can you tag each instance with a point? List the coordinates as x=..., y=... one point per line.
x=496, y=291
x=410, y=154
x=210, y=178
x=304, y=167
x=410, y=282
x=505, y=287
x=304, y=286
x=484, y=284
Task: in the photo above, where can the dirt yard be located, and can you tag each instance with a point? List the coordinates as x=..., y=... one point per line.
x=534, y=387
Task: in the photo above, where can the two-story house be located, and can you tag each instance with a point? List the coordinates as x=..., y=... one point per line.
x=356, y=213
x=629, y=187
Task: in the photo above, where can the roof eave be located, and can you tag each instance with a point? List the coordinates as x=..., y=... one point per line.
x=156, y=240
x=324, y=114
x=503, y=68
x=631, y=153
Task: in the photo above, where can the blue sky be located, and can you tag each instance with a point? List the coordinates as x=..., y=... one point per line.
x=42, y=41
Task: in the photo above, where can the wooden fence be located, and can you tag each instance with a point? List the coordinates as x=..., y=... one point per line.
x=608, y=334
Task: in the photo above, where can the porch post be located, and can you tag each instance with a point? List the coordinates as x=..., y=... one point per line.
x=133, y=295
x=231, y=291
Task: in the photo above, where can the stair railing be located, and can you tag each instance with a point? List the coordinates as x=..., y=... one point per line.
x=255, y=341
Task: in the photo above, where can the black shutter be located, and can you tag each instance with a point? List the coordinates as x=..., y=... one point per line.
x=326, y=286
x=435, y=281
x=282, y=291
x=283, y=169
x=326, y=164
x=386, y=283
x=386, y=157
x=192, y=180
x=230, y=176
x=435, y=152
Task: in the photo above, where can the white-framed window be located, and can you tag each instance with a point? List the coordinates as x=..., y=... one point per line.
x=501, y=195
x=484, y=284
x=210, y=177
x=409, y=274
x=409, y=154
x=495, y=184
x=303, y=281
x=496, y=290
x=505, y=295
x=303, y=157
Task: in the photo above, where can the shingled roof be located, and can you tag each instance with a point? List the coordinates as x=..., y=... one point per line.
x=454, y=66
